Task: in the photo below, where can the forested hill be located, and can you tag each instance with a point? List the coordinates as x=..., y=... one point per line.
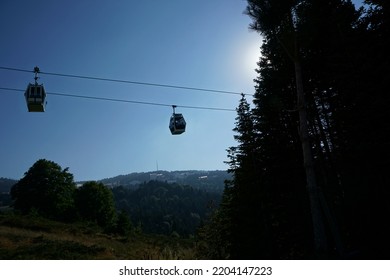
x=206, y=180
x=164, y=208
x=6, y=184
x=156, y=206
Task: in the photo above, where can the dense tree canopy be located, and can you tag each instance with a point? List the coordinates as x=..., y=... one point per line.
x=48, y=189
x=95, y=202
x=163, y=208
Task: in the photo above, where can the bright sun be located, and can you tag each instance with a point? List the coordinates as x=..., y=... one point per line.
x=252, y=56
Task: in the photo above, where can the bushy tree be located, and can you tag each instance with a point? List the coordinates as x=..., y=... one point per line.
x=123, y=223
x=95, y=202
x=48, y=189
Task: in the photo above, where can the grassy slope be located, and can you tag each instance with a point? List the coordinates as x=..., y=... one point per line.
x=27, y=238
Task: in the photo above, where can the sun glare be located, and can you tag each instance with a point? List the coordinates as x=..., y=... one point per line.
x=251, y=57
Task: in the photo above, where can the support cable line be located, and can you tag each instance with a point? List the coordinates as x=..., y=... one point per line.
x=124, y=100
x=129, y=82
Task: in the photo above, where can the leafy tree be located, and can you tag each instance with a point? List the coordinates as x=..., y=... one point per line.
x=123, y=223
x=95, y=202
x=48, y=189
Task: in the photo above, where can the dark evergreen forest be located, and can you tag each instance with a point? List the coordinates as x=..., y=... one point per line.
x=163, y=208
x=310, y=170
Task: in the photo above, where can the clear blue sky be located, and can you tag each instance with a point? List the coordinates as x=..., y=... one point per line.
x=194, y=43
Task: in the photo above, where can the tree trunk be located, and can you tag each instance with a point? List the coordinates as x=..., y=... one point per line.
x=313, y=190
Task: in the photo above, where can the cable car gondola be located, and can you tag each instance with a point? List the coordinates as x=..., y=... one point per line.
x=35, y=95
x=177, y=124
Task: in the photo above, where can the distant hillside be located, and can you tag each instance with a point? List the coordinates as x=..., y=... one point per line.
x=6, y=184
x=164, y=208
x=205, y=180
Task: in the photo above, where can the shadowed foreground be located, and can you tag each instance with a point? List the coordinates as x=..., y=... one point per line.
x=23, y=237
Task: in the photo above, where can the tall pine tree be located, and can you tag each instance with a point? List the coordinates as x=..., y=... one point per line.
x=335, y=58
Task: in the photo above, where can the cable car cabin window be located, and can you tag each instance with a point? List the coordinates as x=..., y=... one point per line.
x=31, y=92
x=179, y=123
x=38, y=91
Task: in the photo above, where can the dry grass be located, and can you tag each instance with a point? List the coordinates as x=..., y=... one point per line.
x=28, y=238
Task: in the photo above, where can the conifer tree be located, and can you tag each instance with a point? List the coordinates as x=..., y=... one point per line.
x=320, y=119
